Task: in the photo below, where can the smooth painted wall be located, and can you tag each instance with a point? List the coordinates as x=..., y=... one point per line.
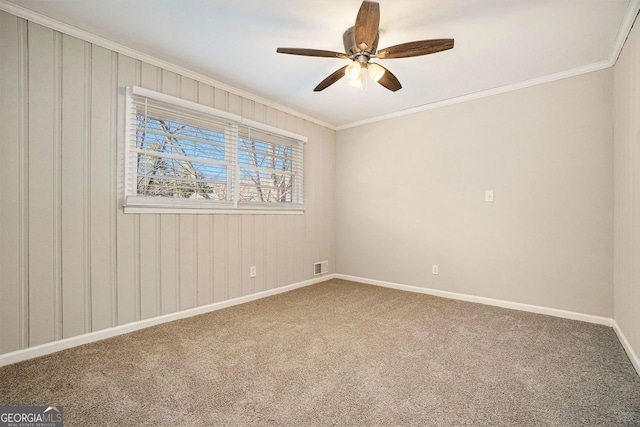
x=71, y=262
x=410, y=194
x=627, y=190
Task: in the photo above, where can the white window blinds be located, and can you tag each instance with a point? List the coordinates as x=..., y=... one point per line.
x=184, y=154
x=269, y=167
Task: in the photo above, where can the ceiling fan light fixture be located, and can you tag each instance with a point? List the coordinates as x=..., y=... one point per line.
x=364, y=79
x=353, y=70
x=357, y=82
x=375, y=71
x=361, y=44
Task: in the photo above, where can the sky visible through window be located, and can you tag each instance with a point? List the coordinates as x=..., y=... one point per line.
x=175, y=171
x=184, y=161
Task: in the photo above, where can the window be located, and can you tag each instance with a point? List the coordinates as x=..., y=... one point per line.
x=182, y=156
x=269, y=169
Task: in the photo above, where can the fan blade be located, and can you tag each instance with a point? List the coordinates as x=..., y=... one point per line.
x=311, y=52
x=367, y=23
x=334, y=77
x=422, y=47
x=390, y=81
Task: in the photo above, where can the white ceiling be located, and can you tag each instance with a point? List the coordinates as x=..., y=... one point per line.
x=497, y=43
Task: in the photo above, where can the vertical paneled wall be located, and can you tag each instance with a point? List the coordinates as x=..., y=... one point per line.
x=627, y=190
x=71, y=262
x=14, y=182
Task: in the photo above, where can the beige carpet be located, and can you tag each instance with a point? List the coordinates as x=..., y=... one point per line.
x=341, y=353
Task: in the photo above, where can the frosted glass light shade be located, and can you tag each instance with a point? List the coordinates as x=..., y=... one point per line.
x=357, y=82
x=375, y=72
x=353, y=70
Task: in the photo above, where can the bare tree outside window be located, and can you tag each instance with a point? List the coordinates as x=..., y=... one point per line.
x=265, y=172
x=190, y=156
x=169, y=165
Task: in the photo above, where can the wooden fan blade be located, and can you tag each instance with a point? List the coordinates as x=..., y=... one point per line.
x=422, y=47
x=390, y=81
x=311, y=52
x=334, y=77
x=367, y=23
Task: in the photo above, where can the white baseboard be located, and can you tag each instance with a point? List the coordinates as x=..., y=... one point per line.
x=633, y=357
x=482, y=300
x=54, y=346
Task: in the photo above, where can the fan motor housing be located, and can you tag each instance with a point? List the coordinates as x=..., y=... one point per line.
x=349, y=41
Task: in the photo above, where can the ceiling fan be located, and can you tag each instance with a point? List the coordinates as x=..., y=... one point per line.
x=360, y=44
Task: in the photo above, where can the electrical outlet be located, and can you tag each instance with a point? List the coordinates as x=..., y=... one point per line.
x=434, y=269
x=252, y=271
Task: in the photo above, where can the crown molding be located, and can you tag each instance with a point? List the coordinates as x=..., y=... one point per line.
x=623, y=33
x=625, y=29
x=482, y=94
x=70, y=30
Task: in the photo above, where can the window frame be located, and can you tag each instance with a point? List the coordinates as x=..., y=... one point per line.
x=237, y=126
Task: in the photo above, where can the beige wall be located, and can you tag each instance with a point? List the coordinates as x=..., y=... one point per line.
x=409, y=191
x=627, y=190
x=411, y=194
x=71, y=261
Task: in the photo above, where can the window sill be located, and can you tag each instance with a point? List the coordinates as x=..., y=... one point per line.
x=138, y=205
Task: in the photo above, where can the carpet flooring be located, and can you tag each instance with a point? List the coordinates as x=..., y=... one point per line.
x=341, y=353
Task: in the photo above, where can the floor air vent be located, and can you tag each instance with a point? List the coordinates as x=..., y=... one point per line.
x=320, y=268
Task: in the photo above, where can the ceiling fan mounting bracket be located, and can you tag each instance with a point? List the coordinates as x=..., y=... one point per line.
x=350, y=47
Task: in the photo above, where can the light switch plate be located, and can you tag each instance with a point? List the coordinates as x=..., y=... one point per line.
x=488, y=196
